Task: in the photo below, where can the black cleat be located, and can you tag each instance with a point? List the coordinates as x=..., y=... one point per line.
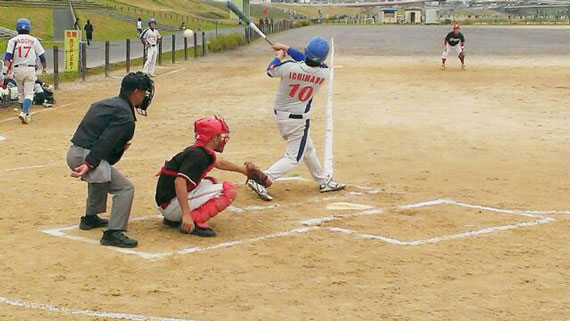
x=118, y=239
x=92, y=221
x=204, y=231
x=169, y=223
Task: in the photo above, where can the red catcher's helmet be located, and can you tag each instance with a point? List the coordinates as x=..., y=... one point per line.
x=207, y=128
x=456, y=26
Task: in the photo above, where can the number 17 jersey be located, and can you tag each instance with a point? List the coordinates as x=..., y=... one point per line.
x=25, y=49
x=299, y=84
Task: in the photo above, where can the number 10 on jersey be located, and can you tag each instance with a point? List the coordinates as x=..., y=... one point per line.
x=304, y=94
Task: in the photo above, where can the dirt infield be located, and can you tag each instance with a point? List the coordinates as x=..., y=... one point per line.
x=491, y=141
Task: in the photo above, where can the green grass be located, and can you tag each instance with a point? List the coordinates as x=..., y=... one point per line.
x=106, y=28
x=41, y=20
x=226, y=42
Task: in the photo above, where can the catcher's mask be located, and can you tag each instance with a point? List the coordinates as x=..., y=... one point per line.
x=205, y=129
x=138, y=80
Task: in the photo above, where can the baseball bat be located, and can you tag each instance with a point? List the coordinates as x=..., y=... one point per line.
x=245, y=19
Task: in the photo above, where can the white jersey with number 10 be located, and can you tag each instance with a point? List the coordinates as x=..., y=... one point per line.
x=299, y=83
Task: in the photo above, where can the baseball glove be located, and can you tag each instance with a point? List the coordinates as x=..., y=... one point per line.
x=257, y=175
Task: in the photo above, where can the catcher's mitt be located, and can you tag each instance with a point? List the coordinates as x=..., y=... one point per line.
x=257, y=175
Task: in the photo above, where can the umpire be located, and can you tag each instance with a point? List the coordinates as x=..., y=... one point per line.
x=98, y=143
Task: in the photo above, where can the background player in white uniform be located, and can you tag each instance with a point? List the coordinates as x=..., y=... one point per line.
x=150, y=37
x=300, y=80
x=456, y=40
x=21, y=55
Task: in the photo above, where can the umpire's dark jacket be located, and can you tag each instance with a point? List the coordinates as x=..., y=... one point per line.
x=105, y=130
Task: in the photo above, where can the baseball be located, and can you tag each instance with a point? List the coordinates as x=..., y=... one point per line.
x=188, y=33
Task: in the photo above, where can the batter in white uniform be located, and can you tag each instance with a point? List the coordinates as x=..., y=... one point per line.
x=300, y=80
x=150, y=38
x=21, y=55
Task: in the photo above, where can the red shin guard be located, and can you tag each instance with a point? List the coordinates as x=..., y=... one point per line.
x=214, y=205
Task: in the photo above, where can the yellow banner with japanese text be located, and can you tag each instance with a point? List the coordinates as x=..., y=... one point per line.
x=72, y=38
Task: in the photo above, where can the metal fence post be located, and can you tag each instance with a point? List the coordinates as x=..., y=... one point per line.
x=195, y=45
x=160, y=53
x=246, y=35
x=203, y=44
x=185, y=48
x=128, y=58
x=83, y=61
x=173, y=48
x=55, y=67
x=106, y=58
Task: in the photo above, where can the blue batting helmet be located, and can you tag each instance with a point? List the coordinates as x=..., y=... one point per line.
x=151, y=20
x=317, y=50
x=23, y=24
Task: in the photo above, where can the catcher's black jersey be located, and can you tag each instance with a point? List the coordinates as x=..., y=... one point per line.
x=453, y=40
x=190, y=163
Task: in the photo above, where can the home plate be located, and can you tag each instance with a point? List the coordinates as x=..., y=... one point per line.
x=348, y=206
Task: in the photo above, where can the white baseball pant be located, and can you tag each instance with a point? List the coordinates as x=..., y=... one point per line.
x=204, y=192
x=150, y=63
x=299, y=147
x=25, y=78
x=448, y=47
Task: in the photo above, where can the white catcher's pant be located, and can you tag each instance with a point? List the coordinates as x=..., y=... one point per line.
x=448, y=48
x=299, y=147
x=150, y=63
x=25, y=78
x=204, y=192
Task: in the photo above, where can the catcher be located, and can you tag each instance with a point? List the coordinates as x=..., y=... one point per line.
x=185, y=195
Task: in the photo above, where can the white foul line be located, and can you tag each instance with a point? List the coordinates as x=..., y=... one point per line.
x=329, y=119
x=36, y=112
x=102, y=314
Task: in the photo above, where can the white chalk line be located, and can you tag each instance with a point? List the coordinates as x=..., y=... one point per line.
x=445, y=237
x=329, y=119
x=540, y=220
x=171, y=72
x=102, y=314
x=37, y=112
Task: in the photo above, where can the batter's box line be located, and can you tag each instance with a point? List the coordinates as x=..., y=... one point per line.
x=100, y=314
x=540, y=220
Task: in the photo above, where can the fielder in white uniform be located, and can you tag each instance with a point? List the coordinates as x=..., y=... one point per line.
x=150, y=38
x=300, y=81
x=21, y=54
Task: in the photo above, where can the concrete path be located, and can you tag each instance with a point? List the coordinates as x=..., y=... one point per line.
x=62, y=20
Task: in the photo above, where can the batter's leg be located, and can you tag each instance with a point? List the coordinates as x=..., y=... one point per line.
x=312, y=161
x=294, y=152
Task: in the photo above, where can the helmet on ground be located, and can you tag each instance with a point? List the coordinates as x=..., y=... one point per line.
x=317, y=50
x=207, y=128
x=151, y=20
x=23, y=24
x=456, y=26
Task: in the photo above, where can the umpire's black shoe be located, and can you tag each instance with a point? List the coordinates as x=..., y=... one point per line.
x=92, y=221
x=169, y=223
x=118, y=239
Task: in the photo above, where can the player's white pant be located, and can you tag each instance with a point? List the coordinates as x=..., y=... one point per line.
x=25, y=78
x=448, y=48
x=150, y=63
x=204, y=192
x=299, y=147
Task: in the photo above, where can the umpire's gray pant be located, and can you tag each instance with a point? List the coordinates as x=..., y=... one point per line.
x=103, y=180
